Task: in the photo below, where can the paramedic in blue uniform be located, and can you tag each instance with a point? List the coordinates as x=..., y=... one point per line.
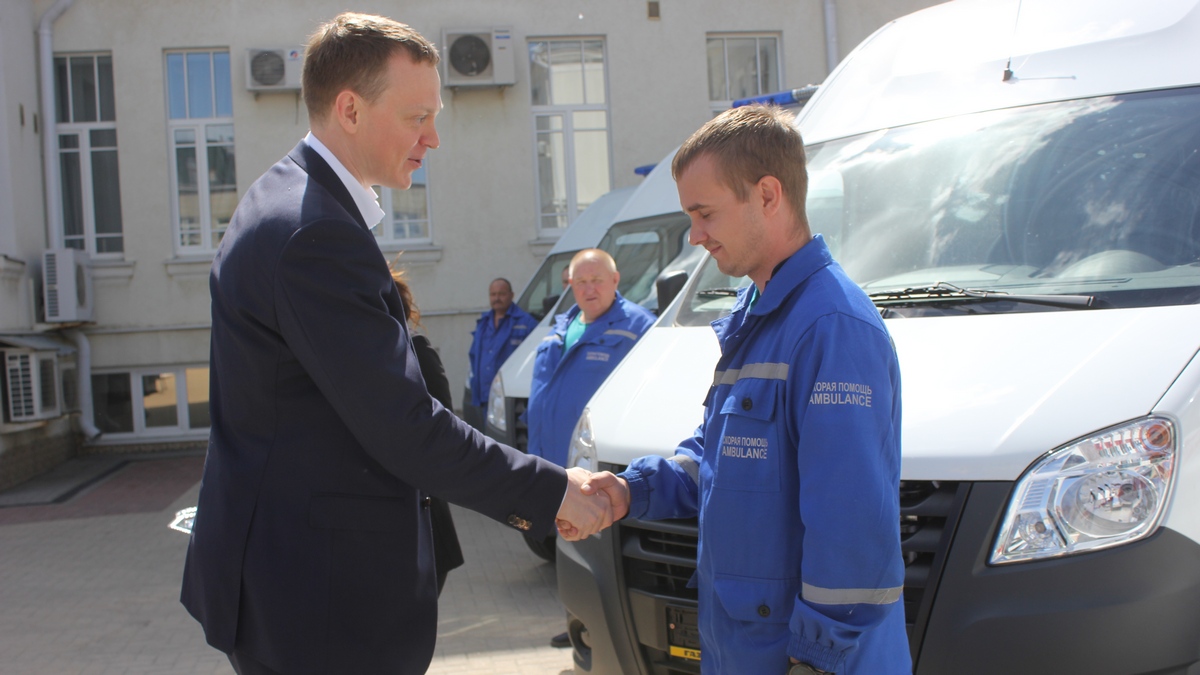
x=794, y=472
x=587, y=342
x=498, y=332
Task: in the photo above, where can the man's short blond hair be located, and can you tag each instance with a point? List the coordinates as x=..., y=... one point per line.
x=351, y=51
x=748, y=143
x=593, y=254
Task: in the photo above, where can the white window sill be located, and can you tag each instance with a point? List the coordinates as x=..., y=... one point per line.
x=189, y=266
x=541, y=246
x=111, y=268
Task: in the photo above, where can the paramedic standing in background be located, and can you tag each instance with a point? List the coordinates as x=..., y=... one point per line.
x=498, y=332
x=794, y=472
x=587, y=343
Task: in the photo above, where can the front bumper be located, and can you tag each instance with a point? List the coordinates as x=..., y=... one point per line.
x=1121, y=611
x=1134, y=609
x=602, y=641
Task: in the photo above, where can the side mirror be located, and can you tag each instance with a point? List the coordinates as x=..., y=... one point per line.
x=668, y=285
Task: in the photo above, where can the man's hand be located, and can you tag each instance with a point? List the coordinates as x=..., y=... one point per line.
x=615, y=487
x=582, y=514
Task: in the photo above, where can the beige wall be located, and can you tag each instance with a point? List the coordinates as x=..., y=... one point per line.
x=21, y=210
x=151, y=308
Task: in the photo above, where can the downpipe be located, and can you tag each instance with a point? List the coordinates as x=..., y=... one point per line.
x=83, y=373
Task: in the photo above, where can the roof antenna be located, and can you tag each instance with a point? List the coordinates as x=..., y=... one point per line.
x=1008, y=73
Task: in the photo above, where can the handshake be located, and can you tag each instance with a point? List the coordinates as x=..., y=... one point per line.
x=593, y=502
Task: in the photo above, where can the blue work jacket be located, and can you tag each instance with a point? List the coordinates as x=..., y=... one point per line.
x=492, y=345
x=563, y=382
x=794, y=475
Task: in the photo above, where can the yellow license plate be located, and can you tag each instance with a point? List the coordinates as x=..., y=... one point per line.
x=685, y=653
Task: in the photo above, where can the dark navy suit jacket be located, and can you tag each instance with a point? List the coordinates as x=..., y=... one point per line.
x=311, y=549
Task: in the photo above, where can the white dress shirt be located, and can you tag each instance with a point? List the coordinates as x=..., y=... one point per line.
x=364, y=197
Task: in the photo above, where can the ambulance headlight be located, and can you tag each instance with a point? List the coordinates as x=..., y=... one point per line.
x=496, y=414
x=1107, y=489
x=582, y=452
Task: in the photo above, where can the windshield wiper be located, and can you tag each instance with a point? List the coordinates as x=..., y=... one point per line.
x=717, y=293
x=944, y=291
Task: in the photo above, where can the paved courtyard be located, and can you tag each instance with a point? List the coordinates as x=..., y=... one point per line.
x=90, y=585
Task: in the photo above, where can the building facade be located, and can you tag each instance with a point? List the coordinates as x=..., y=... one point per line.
x=129, y=128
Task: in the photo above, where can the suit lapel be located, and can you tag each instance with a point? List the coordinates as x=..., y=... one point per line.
x=319, y=170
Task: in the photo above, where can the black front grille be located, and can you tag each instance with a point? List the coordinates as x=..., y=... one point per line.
x=518, y=437
x=659, y=557
x=929, y=512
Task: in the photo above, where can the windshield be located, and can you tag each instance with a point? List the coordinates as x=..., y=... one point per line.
x=643, y=249
x=543, y=290
x=1096, y=196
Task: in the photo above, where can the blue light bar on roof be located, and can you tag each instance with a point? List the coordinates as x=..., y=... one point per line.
x=787, y=98
x=644, y=170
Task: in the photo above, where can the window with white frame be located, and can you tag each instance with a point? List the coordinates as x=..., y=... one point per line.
x=406, y=212
x=200, y=136
x=86, y=116
x=151, y=401
x=740, y=66
x=571, y=128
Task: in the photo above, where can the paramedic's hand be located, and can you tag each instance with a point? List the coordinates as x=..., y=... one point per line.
x=582, y=514
x=615, y=487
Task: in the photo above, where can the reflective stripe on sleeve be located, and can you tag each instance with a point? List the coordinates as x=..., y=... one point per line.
x=762, y=371
x=689, y=467
x=622, y=333
x=850, y=596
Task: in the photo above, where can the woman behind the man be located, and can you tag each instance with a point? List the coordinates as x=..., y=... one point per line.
x=447, y=553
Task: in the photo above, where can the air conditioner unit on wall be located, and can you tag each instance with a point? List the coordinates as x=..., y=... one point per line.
x=479, y=58
x=274, y=69
x=30, y=385
x=66, y=286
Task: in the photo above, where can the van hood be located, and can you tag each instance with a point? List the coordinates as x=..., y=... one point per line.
x=984, y=395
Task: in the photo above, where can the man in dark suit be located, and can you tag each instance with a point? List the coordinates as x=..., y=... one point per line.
x=311, y=550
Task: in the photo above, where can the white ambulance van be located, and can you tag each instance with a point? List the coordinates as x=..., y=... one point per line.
x=1016, y=183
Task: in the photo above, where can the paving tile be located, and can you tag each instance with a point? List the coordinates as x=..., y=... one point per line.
x=59, y=483
x=91, y=586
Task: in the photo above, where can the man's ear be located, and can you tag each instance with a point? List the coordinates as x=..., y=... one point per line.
x=769, y=192
x=346, y=109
